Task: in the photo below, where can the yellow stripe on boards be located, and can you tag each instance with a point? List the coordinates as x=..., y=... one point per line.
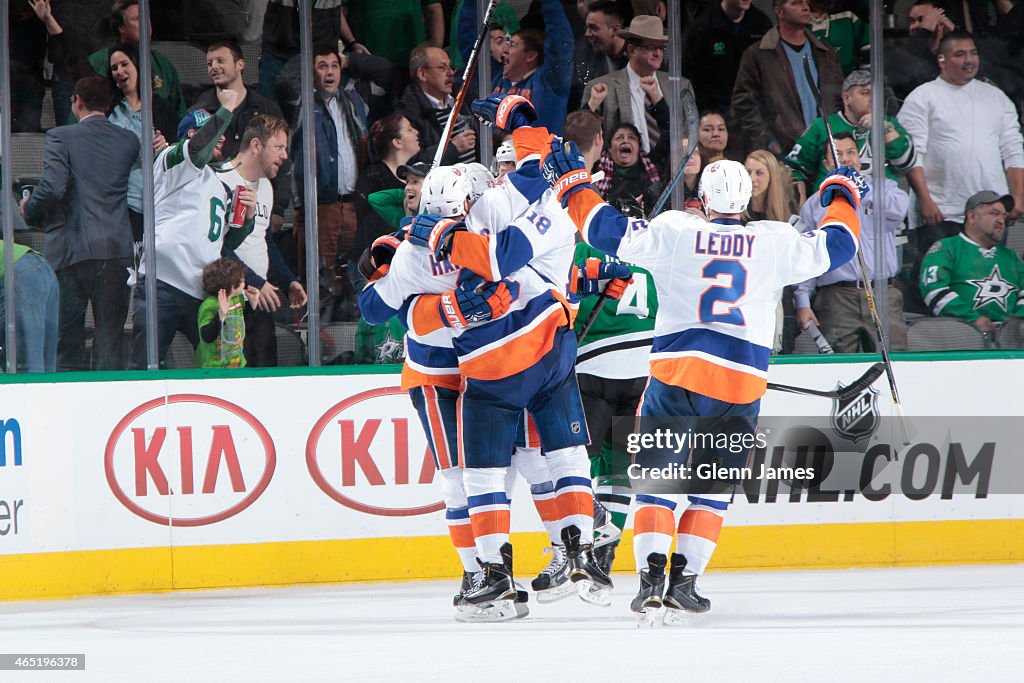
x=798, y=546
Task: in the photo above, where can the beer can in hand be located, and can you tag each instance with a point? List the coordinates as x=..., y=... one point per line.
x=237, y=217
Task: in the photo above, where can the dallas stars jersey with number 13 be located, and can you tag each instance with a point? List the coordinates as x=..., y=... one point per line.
x=961, y=279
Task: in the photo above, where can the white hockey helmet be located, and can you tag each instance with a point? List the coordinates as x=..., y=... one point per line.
x=725, y=187
x=506, y=152
x=480, y=179
x=445, y=191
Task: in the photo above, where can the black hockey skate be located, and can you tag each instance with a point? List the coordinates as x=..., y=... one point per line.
x=604, y=555
x=592, y=584
x=553, y=583
x=467, y=585
x=491, y=597
x=681, y=598
x=604, y=531
x=652, y=585
x=522, y=597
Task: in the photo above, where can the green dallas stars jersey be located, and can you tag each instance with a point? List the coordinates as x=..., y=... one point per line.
x=960, y=279
x=619, y=343
x=806, y=160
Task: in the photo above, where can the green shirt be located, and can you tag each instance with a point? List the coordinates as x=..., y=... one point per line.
x=847, y=33
x=226, y=350
x=807, y=158
x=380, y=344
x=388, y=28
x=19, y=251
x=619, y=342
x=960, y=279
x=389, y=204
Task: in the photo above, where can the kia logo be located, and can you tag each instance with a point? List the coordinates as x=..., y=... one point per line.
x=188, y=460
x=368, y=453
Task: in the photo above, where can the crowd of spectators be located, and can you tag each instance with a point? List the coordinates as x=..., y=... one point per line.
x=385, y=75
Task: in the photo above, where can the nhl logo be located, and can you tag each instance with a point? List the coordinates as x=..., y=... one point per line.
x=857, y=417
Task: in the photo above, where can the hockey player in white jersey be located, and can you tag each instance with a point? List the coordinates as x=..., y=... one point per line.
x=525, y=360
x=718, y=282
x=397, y=272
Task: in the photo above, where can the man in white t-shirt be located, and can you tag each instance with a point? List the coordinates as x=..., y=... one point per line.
x=257, y=162
x=968, y=139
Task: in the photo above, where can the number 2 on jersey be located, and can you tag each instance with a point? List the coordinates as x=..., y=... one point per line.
x=717, y=293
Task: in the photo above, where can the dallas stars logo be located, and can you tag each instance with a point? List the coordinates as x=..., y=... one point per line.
x=992, y=289
x=389, y=350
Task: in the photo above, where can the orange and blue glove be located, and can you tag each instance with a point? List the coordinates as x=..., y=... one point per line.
x=845, y=182
x=434, y=233
x=504, y=111
x=597, y=276
x=565, y=169
x=476, y=301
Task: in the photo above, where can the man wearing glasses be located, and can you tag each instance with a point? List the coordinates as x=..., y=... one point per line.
x=427, y=102
x=636, y=94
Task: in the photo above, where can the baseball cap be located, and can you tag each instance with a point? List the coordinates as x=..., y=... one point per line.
x=988, y=197
x=858, y=77
x=195, y=118
x=420, y=168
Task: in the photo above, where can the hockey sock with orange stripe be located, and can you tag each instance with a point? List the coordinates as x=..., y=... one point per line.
x=461, y=531
x=570, y=470
x=652, y=528
x=533, y=466
x=699, y=528
x=488, y=510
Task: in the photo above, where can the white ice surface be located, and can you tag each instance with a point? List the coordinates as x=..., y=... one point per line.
x=919, y=624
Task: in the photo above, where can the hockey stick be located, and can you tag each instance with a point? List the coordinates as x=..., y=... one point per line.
x=847, y=392
x=868, y=292
x=593, y=315
x=692, y=123
x=467, y=75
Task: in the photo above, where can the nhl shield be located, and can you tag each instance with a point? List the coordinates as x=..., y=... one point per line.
x=857, y=417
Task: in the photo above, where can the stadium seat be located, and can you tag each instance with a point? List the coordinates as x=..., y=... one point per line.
x=251, y=53
x=943, y=334
x=1011, y=334
x=190, y=63
x=291, y=350
x=804, y=344
x=1015, y=237
x=26, y=155
x=338, y=343
x=180, y=354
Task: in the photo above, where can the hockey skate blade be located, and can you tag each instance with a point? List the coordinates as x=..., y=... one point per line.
x=555, y=593
x=605, y=534
x=648, y=618
x=501, y=610
x=594, y=594
x=680, y=617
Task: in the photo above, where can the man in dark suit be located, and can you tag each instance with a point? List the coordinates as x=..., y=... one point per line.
x=82, y=204
x=636, y=94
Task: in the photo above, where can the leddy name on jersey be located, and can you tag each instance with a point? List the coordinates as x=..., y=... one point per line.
x=724, y=244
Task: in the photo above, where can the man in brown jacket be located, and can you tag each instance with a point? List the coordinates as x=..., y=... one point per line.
x=772, y=101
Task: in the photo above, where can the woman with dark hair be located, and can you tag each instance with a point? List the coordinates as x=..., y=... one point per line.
x=391, y=142
x=714, y=137
x=629, y=174
x=126, y=112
